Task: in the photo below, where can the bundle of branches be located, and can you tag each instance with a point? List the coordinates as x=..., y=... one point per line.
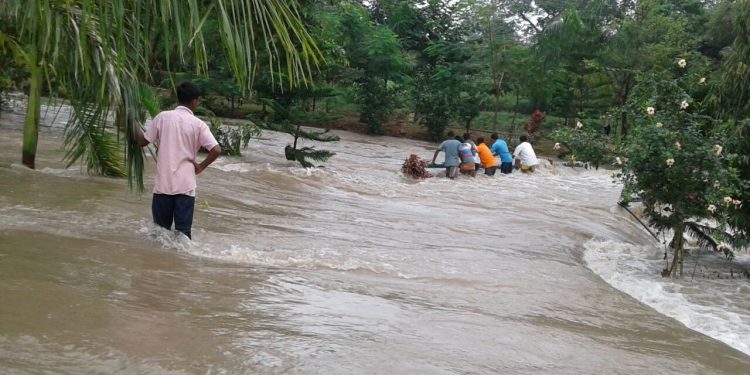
x=415, y=167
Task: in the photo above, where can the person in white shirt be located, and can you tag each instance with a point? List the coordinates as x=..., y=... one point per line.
x=524, y=156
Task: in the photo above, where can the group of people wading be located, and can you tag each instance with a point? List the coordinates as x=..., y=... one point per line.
x=465, y=156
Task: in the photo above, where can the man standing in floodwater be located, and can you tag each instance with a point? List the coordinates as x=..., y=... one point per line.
x=450, y=148
x=499, y=147
x=525, y=157
x=485, y=156
x=178, y=135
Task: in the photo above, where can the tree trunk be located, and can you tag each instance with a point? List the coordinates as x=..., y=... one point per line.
x=31, y=124
x=623, y=124
x=515, y=110
x=678, y=245
x=494, y=116
x=313, y=106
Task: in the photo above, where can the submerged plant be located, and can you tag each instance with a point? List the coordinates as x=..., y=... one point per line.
x=293, y=152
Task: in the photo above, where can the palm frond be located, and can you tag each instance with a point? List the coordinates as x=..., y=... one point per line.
x=87, y=139
x=301, y=155
x=322, y=136
x=704, y=234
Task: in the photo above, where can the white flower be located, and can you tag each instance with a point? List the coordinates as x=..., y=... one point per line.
x=702, y=81
x=579, y=125
x=718, y=149
x=618, y=160
x=677, y=145
x=684, y=104
x=556, y=146
x=681, y=63
x=717, y=184
x=737, y=203
x=650, y=111
x=659, y=124
x=670, y=162
x=711, y=208
x=728, y=200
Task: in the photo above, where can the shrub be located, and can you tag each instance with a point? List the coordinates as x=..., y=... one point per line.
x=585, y=145
x=232, y=139
x=534, y=122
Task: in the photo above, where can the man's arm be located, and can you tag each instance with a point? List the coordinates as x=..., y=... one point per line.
x=212, y=155
x=435, y=156
x=139, y=138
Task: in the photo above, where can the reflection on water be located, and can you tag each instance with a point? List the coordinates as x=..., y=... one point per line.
x=344, y=269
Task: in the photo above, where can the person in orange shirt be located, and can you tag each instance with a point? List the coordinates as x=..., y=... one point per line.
x=485, y=156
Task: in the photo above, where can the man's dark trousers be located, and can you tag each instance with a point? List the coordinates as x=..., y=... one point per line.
x=165, y=208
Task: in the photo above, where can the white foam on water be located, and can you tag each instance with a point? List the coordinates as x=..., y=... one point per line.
x=311, y=259
x=636, y=270
x=167, y=238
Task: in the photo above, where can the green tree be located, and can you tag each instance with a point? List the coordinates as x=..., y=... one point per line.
x=376, y=57
x=674, y=160
x=644, y=36
x=730, y=96
x=444, y=87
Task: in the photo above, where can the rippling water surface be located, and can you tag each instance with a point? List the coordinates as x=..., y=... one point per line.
x=346, y=269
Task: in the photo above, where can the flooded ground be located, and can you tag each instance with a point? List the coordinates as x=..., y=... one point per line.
x=351, y=268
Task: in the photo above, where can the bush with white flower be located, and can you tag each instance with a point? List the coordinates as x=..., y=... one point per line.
x=674, y=156
x=588, y=144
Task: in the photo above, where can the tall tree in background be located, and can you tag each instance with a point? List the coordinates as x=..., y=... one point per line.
x=731, y=98
x=375, y=54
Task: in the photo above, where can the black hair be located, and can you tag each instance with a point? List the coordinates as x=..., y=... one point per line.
x=494, y=136
x=524, y=138
x=451, y=134
x=187, y=92
x=459, y=139
x=467, y=136
x=480, y=140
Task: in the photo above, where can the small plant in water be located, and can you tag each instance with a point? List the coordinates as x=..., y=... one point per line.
x=415, y=167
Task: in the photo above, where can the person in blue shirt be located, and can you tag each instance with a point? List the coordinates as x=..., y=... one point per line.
x=450, y=148
x=499, y=147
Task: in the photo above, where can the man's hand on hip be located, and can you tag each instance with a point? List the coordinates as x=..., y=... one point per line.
x=198, y=168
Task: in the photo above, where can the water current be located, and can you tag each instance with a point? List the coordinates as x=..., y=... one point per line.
x=348, y=269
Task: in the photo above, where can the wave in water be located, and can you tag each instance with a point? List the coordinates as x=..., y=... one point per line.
x=635, y=270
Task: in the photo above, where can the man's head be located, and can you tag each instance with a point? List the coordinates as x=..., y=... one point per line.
x=467, y=136
x=480, y=140
x=451, y=134
x=188, y=94
x=494, y=136
x=524, y=138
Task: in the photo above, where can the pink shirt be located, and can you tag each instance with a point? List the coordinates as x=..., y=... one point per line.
x=178, y=135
